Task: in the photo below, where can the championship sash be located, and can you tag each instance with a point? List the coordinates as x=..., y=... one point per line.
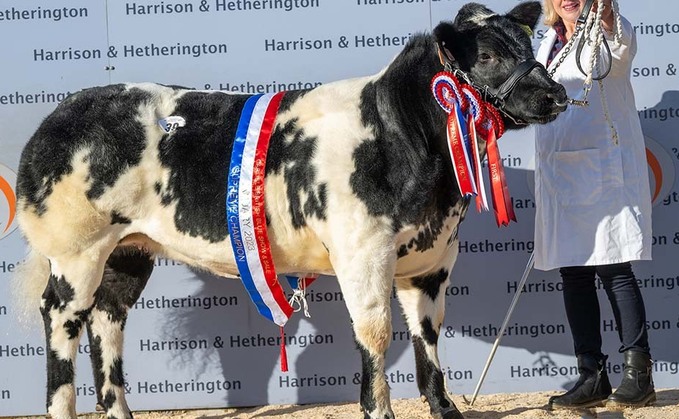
x=246, y=217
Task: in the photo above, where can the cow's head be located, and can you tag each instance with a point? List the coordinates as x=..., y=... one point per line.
x=495, y=52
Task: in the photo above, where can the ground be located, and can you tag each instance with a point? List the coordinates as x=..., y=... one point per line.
x=492, y=406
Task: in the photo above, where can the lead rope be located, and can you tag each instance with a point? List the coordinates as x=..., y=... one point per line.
x=593, y=31
x=594, y=61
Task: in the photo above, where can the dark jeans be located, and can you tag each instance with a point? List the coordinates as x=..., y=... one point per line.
x=582, y=306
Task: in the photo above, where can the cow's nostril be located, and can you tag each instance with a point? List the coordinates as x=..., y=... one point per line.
x=560, y=98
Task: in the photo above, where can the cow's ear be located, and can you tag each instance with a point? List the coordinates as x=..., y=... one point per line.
x=445, y=33
x=472, y=14
x=526, y=13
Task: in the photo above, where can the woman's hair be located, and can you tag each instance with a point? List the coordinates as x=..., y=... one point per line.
x=550, y=14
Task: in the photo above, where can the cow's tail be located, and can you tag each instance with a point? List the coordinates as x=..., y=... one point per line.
x=28, y=284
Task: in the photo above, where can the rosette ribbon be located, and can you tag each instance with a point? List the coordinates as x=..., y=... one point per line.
x=448, y=93
x=493, y=127
x=469, y=118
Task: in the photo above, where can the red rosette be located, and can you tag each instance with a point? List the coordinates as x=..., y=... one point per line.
x=484, y=126
x=447, y=91
x=491, y=120
x=498, y=123
x=475, y=103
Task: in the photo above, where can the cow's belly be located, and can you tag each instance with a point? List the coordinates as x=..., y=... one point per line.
x=301, y=252
x=427, y=249
x=298, y=251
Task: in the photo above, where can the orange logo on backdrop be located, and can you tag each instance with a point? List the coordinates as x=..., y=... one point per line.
x=661, y=170
x=8, y=201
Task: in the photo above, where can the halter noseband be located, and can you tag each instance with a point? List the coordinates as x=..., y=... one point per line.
x=496, y=96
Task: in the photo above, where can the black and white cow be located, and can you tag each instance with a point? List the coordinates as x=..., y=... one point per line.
x=359, y=185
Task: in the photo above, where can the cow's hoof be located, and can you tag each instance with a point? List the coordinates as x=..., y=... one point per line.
x=386, y=416
x=449, y=413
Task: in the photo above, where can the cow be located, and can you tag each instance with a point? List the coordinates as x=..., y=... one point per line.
x=359, y=185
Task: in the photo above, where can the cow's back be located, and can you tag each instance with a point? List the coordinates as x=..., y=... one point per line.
x=104, y=150
x=101, y=159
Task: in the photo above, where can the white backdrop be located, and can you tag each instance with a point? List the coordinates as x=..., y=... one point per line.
x=50, y=49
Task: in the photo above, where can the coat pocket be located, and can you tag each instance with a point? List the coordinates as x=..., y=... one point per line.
x=578, y=176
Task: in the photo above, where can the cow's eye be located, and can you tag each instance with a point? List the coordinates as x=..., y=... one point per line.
x=484, y=57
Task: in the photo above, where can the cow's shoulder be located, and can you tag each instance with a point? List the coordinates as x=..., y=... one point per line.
x=397, y=174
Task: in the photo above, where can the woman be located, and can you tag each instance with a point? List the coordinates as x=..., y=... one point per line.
x=594, y=208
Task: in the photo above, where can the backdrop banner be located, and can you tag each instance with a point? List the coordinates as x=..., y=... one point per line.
x=195, y=340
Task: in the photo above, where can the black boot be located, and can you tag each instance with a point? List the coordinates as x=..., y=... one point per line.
x=636, y=389
x=591, y=389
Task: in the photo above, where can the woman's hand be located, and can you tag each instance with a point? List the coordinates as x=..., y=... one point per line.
x=607, y=20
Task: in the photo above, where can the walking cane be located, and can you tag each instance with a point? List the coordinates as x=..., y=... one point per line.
x=529, y=266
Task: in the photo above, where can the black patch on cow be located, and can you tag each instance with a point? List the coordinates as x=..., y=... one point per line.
x=117, y=218
x=430, y=335
x=50, y=298
x=454, y=236
x=97, y=360
x=404, y=171
x=115, y=374
x=198, y=157
x=165, y=198
x=101, y=120
x=427, y=236
x=431, y=284
x=290, y=98
x=58, y=292
x=291, y=152
x=109, y=399
x=368, y=402
x=73, y=327
x=126, y=273
x=59, y=372
x=429, y=378
x=117, y=377
x=402, y=251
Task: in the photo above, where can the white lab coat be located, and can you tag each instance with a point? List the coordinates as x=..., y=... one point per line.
x=593, y=203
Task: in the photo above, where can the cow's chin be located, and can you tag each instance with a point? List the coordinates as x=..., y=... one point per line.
x=539, y=112
x=543, y=119
x=529, y=118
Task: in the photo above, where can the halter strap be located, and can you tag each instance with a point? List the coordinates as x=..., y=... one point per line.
x=505, y=88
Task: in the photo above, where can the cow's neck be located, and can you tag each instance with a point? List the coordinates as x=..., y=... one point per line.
x=406, y=85
x=403, y=93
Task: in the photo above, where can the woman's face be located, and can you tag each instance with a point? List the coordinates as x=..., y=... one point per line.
x=569, y=10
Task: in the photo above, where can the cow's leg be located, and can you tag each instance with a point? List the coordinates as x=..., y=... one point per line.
x=422, y=300
x=65, y=307
x=365, y=273
x=125, y=276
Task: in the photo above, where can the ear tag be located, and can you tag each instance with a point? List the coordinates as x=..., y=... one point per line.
x=171, y=123
x=527, y=29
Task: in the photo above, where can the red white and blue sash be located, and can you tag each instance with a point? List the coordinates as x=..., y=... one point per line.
x=246, y=217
